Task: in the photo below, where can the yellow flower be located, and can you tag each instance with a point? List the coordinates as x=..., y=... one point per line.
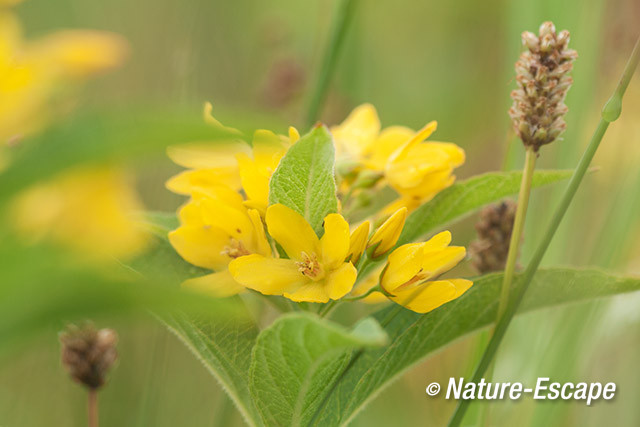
x=419, y=170
x=416, y=170
x=316, y=270
x=31, y=73
x=388, y=233
x=234, y=164
x=358, y=242
x=215, y=229
x=89, y=210
x=411, y=268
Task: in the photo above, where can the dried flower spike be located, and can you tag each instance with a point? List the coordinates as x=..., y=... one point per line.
x=88, y=353
x=489, y=252
x=542, y=73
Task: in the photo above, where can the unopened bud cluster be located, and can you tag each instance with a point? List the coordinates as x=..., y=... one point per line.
x=88, y=353
x=494, y=228
x=542, y=73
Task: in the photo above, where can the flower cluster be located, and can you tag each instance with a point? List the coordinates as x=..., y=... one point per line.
x=228, y=225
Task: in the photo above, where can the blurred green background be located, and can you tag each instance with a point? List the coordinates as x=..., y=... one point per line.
x=416, y=61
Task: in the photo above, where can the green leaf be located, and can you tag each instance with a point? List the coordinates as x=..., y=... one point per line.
x=224, y=348
x=304, y=179
x=296, y=360
x=99, y=138
x=464, y=197
x=414, y=337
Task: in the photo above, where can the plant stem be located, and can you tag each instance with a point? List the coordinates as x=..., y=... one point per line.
x=518, y=226
x=610, y=112
x=343, y=16
x=93, y=408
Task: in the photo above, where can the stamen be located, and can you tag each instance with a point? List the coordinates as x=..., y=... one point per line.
x=310, y=267
x=235, y=249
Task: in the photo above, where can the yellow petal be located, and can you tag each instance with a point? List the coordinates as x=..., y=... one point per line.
x=201, y=246
x=203, y=180
x=419, y=136
x=309, y=292
x=235, y=222
x=335, y=241
x=261, y=244
x=208, y=156
x=268, y=149
x=438, y=262
x=340, y=281
x=294, y=135
x=255, y=180
x=209, y=119
x=219, y=285
x=386, y=144
x=403, y=265
x=427, y=296
x=387, y=234
x=270, y=276
x=358, y=131
x=358, y=242
x=462, y=285
x=291, y=231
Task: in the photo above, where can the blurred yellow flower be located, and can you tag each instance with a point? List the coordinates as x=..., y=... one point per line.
x=316, y=270
x=415, y=169
x=32, y=73
x=408, y=277
x=234, y=164
x=89, y=210
x=386, y=236
x=215, y=229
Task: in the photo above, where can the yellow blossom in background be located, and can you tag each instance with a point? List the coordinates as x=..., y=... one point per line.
x=386, y=236
x=415, y=169
x=89, y=210
x=367, y=284
x=32, y=73
x=410, y=276
x=234, y=164
x=316, y=270
x=215, y=229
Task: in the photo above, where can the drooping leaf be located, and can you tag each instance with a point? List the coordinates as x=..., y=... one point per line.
x=414, y=337
x=464, y=197
x=296, y=360
x=224, y=348
x=304, y=180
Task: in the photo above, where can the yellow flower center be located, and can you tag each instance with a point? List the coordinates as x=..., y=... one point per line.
x=310, y=267
x=235, y=249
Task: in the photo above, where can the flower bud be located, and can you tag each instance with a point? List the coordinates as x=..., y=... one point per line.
x=387, y=234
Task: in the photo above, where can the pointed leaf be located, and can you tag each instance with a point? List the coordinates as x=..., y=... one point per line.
x=304, y=179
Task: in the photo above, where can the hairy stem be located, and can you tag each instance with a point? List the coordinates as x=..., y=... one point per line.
x=610, y=113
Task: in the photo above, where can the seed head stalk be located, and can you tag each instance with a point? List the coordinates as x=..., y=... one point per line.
x=610, y=113
x=518, y=227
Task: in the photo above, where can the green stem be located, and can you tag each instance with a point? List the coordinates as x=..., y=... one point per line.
x=518, y=226
x=342, y=19
x=610, y=112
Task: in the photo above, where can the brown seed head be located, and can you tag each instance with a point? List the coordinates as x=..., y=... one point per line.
x=489, y=252
x=542, y=74
x=88, y=353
